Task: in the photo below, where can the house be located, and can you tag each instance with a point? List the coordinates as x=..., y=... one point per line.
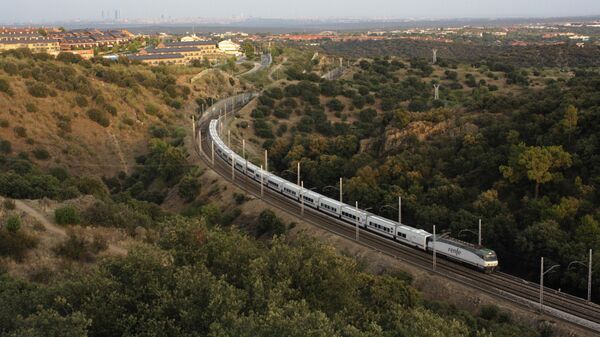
x=49, y=46
x=156, y=59
x=230, y=48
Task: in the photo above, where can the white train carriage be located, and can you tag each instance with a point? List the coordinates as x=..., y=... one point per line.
x=481, y=258
x=412, y=236
x=253, y=171
x=330, y=206
x=311, y=198
x=274, y=182
x=291, y=190
x=382, y=226
x=352, y=215
x=240, y=163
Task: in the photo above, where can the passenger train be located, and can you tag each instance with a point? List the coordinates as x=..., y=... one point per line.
x=481, y=258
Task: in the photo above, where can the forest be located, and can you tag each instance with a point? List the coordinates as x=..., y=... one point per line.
x=521, y=56
x=194, y=274
x=524, y=161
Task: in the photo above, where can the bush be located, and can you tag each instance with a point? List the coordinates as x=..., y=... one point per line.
x=15, y=244
x=41, y=154
x=9, y=204
x=79, y=249
x=13, y=224
x=4, y=123
x=188, y=187
x=269, y=223
x=20, y=131
x=98, y=117
x=489, y=312
x=38, y=89
x=81, y=101
x=30, y=107
x=5, y=87
x=67, y=215
x=5, y=146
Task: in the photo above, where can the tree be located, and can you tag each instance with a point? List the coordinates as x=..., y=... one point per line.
x=539, y=164
x=248, y=49
x=67, y=215
x=569, y=122
x=13, y=224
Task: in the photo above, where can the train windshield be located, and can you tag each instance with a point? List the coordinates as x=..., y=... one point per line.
x=490, y=256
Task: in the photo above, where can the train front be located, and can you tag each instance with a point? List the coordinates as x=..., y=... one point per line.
x=490, y=260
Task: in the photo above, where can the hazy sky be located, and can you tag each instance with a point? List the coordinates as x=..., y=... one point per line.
x=52, y=10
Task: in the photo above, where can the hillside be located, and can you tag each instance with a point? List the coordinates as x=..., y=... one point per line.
x=514, y=147
x=88, y=117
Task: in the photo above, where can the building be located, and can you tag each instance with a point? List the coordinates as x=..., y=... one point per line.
x=85, y=54
x=157, y=59
x=230, y=48
x=48, y=46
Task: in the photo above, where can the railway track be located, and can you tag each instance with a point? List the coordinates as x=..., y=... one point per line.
x=556, y=305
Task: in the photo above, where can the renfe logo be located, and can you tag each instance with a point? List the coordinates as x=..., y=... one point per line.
x=454, y=251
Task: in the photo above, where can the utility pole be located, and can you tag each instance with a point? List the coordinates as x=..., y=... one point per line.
x=261, y=182
x=400, y=210
x=479, y=241
x=212, y=147
x=589, y=297
x=435, y=56
x=302, y=198
x=298, y=180
x=200, y=139
x=434, y=252
x=542, y=273
x=266, y=161
x=542, y=285
x=193, y=126
x=232, y=167
x=357, y=231
x=436, y=88
x=229, y=139
x=341, y=189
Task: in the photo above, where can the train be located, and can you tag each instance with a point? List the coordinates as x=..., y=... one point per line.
x=481, y=258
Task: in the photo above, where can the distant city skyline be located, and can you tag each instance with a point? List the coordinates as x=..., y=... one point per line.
x=43, y=11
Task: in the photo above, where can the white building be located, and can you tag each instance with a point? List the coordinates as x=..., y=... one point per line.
x=230, y=48
x=190, y=38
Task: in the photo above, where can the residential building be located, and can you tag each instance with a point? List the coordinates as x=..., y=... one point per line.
x=230, y=48
x=49, y=46
x=156, y=59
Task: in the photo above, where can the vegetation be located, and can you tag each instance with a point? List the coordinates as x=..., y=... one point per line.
x=67, y=215
x=199, y=280
x=522, y=160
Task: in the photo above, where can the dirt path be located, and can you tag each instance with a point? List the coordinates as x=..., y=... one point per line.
x=51, y=227
x=119, y=152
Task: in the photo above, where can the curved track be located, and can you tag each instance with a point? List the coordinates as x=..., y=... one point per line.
x=557, y=305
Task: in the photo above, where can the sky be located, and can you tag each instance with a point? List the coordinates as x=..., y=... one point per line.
x=35, y=11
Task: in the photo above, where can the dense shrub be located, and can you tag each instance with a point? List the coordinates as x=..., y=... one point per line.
x=4, y=86
x=5, y=146
x=13, y=224
x=41, y=154
x=81, y=101
x=188, y=187
x=20, y=131
x=99, y=117
x=15, y=244
x=269, y=223
x=109, y=214
x=38, y=89
x=79, y=249
x=67, y=215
